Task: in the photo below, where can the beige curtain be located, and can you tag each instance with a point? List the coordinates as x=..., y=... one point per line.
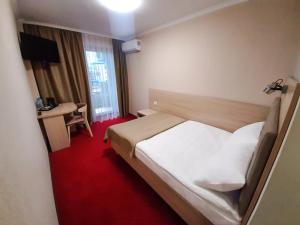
x=121, y=77
x=65, y=81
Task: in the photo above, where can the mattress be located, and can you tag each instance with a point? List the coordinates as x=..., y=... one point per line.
x=176, y=155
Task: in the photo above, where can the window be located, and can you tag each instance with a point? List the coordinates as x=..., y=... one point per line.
x=102, y=81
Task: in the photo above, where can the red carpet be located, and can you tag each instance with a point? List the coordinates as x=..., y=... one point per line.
x=94, y=186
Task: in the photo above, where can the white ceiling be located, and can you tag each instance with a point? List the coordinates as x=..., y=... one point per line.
x=91, y=16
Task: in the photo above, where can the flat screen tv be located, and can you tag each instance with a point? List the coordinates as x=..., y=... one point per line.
x=38, y=49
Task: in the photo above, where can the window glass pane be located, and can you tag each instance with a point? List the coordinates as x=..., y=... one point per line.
x=99, y=85
x=102, y=77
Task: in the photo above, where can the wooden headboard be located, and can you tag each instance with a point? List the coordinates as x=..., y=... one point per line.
x=288, y=104
x=225, y=114
x=286, y=99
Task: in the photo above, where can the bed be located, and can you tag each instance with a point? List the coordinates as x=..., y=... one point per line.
x=156, y=154
x=191, y=141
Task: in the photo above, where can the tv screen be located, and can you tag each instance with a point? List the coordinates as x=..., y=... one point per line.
x=38, y=49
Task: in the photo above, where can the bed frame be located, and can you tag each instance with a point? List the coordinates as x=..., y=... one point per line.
x=225, y=114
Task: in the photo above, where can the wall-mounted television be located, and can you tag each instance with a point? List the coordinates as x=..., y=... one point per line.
x=38, y=49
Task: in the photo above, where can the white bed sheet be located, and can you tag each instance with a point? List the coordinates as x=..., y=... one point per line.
x=177, y=154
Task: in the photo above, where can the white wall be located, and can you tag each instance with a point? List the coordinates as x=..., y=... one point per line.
x=297, y=67
x=26, y=196
x=231, y=53
x=297, y=70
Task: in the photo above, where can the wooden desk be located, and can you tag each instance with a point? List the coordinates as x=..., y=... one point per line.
x=55, y=125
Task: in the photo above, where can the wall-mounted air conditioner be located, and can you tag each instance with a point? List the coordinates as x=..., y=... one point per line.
x=131, y=46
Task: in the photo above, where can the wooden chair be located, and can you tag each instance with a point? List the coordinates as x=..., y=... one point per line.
x=79, y=118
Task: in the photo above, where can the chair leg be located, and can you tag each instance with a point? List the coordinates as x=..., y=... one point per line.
x=88, y=127
x=69, y=133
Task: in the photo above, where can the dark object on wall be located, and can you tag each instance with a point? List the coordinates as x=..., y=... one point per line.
x=38, y=49
x=275, y=86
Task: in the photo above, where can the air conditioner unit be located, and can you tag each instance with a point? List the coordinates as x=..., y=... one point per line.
x=131, y=46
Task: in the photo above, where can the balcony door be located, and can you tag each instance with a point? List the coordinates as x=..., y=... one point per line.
x=102, y=77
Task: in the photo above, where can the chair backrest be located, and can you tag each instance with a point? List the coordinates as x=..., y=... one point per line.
x=82, y=108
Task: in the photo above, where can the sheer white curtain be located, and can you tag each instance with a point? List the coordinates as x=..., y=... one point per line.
x=102, y=77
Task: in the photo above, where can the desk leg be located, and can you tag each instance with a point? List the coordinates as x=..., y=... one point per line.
x=57, y=132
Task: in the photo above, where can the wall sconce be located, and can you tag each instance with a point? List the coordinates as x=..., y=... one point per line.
x=275, y=86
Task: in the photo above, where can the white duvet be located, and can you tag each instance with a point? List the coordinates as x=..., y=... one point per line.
x=177, y=154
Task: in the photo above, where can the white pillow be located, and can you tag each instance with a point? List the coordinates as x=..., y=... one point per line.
x=227, y=169
x=251, y=131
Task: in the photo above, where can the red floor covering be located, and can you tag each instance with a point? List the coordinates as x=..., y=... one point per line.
x=94, y=186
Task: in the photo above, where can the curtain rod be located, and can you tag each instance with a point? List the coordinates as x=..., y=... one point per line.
x=65, y=28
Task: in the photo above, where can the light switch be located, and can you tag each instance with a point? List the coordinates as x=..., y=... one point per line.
x=155, y=103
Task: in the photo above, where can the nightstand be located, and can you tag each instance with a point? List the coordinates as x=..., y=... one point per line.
x=145, y=112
